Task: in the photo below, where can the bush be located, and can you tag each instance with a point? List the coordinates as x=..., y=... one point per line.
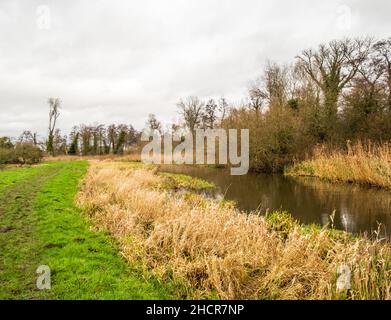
x=7, y=156
x=5, y=143
x=277, y=138
x=27, y=153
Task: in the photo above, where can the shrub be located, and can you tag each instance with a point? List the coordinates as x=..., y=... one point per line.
x=27, y=153
x=277, y=138
x=7, y=156
x=5, y=143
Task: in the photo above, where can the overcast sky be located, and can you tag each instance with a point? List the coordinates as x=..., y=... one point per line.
x=118, y=61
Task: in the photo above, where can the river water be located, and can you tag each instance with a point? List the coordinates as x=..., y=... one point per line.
x=357, y=209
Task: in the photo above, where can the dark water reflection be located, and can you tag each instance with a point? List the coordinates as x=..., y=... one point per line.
x=357, y=209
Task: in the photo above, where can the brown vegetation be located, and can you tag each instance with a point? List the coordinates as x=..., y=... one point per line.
x=337, y=92
x=368, y=164
x=216, y=250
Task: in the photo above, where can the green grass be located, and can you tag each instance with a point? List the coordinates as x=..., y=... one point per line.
x=175, y=181
x=42, y=226
x=283, y=223
x=13, y=175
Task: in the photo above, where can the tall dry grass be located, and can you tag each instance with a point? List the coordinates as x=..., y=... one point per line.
x=368, y=164
x=219, y=251
x=135, y=156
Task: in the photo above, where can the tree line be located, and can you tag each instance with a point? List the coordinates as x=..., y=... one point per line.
x=327, y=95
x=338, y=92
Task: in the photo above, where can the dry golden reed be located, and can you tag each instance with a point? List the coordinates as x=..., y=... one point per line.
x=368, y=164
x=217, y=251
x=133, y=156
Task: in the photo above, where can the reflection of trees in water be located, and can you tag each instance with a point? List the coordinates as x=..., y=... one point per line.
x=347, y=220
x=357, y=208
x=309, y=200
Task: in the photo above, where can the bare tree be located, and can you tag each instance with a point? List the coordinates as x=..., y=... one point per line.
x=121, y=133
x=60, y=146
x=383, y=49
x=74, y=141
x=85, y=135
x=54, y=113
x=256, y=96
x=270, y=90
x=209, y=115
x=132, y=137
x=191, y=110
x=223, y=108
x=368, y=82
x=303, y=88
x=28, y=136
x=153, y=123
x=332, y=67
x=98, y=140
x=276, y=83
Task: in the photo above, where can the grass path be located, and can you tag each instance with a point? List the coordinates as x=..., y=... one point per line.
x=18, y=240
x=40, y=225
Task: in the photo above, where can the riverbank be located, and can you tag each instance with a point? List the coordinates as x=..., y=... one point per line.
x=214, y=250
x=363, y=164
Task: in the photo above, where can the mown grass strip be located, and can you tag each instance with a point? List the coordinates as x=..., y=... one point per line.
x=18, y=237
x=85, y=264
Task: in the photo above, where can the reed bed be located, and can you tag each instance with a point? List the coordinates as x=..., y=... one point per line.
x=218, y=251
x=367, y=164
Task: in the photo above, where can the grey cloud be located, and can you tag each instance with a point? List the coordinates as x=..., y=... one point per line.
x=117, y=61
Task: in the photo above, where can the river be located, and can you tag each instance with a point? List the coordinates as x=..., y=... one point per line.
x=357, y=209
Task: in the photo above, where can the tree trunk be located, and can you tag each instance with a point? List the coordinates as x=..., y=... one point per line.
x=49, y=145
x=330, y=111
